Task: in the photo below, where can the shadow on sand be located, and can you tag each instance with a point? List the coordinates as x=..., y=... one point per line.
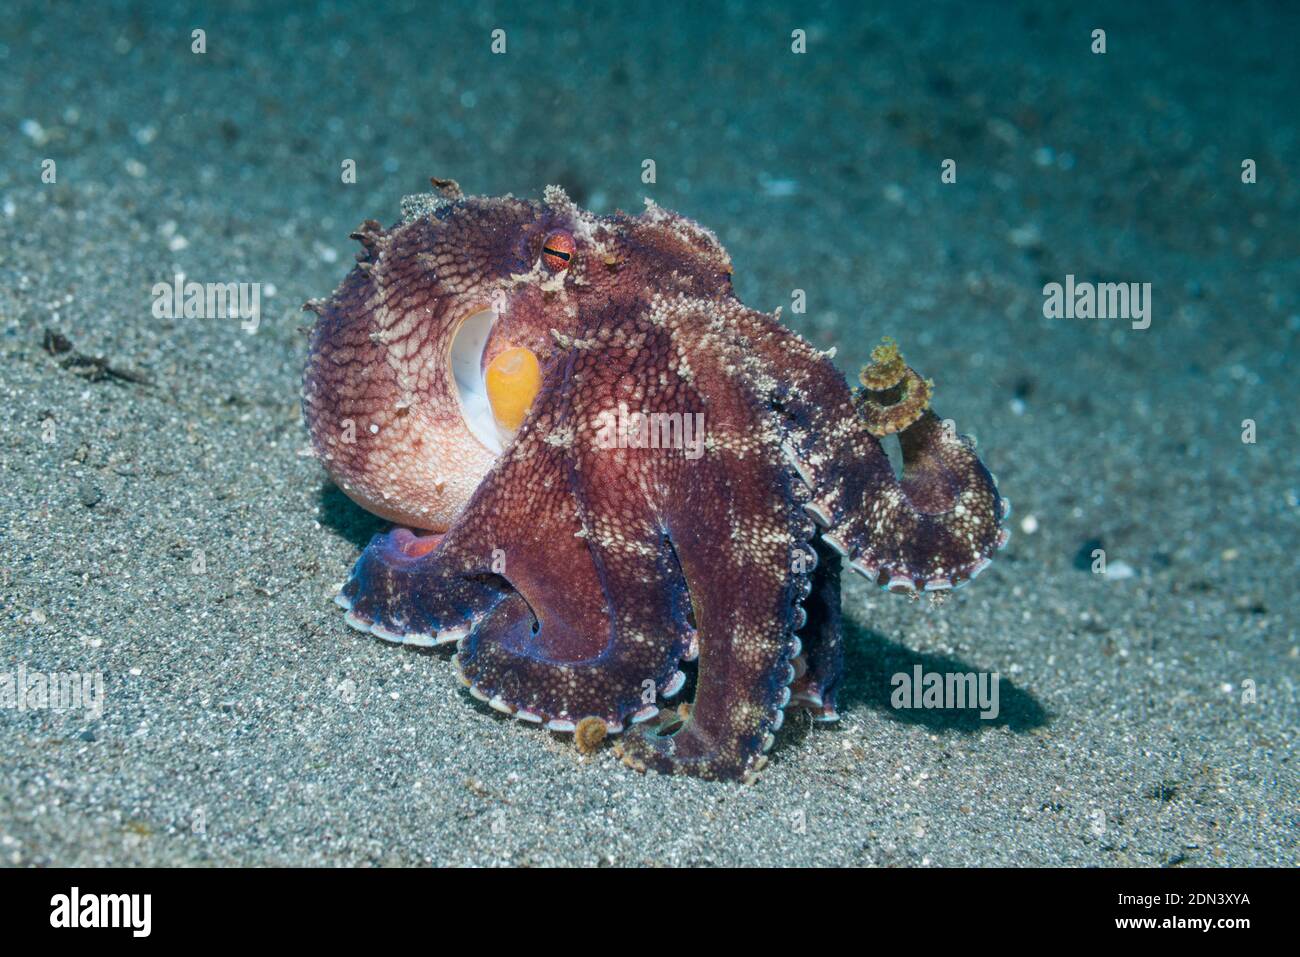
x=340, y=513
x=871, y=661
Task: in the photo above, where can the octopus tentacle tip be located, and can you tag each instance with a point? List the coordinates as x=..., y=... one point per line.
x=886, y=368
x=625, y=755
x=893, y=395
x=589, y=733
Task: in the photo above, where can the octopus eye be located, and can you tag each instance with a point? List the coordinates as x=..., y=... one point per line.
x=557, y=251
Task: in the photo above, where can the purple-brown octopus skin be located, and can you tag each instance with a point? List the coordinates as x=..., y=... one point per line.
x=575, y=573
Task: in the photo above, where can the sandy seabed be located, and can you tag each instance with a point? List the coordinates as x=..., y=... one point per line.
x=162, y=526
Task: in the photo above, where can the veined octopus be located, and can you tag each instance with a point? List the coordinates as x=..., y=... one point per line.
x=603, y=465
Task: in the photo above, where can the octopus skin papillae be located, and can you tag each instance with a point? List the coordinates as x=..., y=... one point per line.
x=462, y=382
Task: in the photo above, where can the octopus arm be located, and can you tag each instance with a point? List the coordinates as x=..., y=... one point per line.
x=557, y=582
x=737, y=530
x=935, y=528
x=820, y=663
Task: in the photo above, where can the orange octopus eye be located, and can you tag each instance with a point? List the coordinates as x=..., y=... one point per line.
x=557, y=251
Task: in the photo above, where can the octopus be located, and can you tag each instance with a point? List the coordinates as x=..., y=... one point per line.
x=610, y=478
